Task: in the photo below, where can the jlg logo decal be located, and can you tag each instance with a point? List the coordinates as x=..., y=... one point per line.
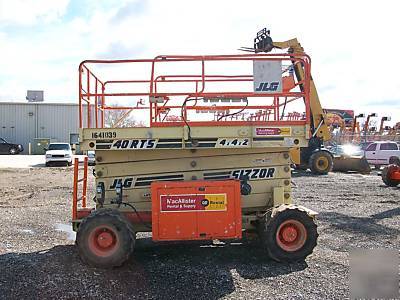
x=261, y=173
x=134, y=144
x=125, y=182
x=268, y=86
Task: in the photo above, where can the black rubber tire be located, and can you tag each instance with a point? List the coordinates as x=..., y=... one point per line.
x=315, y=162
x=301, y=167
x=13, y=151
x=385, y=176
x=122, y=229
x=47, y=164
x=394, y=161
x=269, y=231
x=69, y=164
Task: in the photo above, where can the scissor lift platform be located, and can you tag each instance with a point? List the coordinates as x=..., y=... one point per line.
x=216, y=140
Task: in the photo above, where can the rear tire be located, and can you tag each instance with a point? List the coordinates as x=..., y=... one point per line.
x=387, y=173
x=105, y=239
x=69, y=164
x=394, y=161
x=321, y=162
x=289, y=236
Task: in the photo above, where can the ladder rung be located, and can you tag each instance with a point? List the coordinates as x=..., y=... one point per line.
x=81, y=198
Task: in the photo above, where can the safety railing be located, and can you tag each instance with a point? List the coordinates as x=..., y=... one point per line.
x=167, y=92
x=344, y=138
x=83, y=198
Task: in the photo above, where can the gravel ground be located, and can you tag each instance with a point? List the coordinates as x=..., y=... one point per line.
x=26, y=161
x=38, y=258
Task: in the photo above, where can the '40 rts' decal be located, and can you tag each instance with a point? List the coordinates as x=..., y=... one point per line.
x=261, y=173
x=134, y=144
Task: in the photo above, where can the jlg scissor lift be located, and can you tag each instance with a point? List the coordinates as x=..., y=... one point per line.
x=212, y=162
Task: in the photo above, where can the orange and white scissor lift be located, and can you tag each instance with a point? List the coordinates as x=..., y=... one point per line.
x=211, y=160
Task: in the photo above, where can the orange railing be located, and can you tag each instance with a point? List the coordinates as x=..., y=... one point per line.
x=77, y=180
x=167, y=91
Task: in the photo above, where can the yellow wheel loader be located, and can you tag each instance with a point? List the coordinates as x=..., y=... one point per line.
x=314, y=156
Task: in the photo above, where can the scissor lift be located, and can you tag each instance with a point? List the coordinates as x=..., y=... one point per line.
x=211, y=160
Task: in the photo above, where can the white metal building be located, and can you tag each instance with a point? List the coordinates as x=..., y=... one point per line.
x=22, y=122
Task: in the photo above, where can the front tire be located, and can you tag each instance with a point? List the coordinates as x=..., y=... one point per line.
x=321, y=162
x=289, y=236
x=13, y=151
x=105, y=239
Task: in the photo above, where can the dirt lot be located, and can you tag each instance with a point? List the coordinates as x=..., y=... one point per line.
x=38, y=258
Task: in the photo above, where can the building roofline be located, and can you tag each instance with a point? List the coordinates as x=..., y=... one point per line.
x=39, y=103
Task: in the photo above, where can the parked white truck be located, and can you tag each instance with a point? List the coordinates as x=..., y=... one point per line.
x=383, y=153
x=59, y=153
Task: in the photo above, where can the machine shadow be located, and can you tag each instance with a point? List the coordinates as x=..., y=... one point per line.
x=302, y=173
x=364, y=225
x=387, y=214
x=41, y=165
x=156, y=271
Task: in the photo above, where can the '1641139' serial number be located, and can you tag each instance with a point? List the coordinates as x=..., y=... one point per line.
x=104, y=135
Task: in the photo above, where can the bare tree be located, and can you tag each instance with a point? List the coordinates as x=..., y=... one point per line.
x=121, y=118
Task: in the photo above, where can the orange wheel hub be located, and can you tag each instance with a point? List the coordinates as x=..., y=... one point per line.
x=103, y=241
x=291, y=235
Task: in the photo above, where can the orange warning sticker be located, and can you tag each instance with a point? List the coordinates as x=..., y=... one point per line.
x=193, y=202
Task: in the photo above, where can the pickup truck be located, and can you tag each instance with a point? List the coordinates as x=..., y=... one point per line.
x=383, y=153
x=59, y=153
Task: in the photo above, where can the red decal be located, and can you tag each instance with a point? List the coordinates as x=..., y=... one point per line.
x=268, y=131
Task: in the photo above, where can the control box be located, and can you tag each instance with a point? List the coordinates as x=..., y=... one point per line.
x=196, y=210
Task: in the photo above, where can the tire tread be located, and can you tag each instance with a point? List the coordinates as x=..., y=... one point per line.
x=120, y=218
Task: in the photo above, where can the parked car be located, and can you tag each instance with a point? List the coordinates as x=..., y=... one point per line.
x=382, y=153
x=364, y=145
x=8, y=148
x=91, y=158
x=59, y=153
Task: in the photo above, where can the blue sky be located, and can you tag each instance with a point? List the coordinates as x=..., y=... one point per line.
x=352, y=43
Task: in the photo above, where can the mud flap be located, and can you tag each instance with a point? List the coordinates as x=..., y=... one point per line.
x=283, y=207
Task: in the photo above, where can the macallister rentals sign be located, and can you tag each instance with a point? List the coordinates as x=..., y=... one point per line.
x=267, y=76
x=268, y=131
x=193, y=202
